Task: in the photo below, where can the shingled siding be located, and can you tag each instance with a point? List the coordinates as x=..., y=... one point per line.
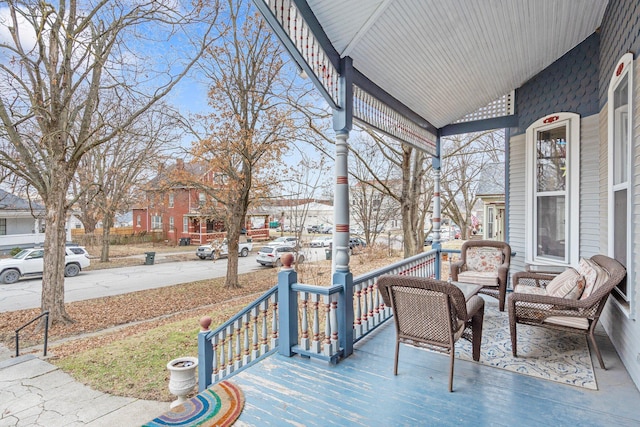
x=570, y=84
x=619, y=34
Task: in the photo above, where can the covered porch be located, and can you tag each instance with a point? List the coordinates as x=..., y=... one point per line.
x=418, y=72
x=362, y=391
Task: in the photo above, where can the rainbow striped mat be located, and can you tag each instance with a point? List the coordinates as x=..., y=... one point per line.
x=219, y=405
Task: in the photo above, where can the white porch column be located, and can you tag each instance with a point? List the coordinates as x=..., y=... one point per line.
x=340, y=255
x=437, y=215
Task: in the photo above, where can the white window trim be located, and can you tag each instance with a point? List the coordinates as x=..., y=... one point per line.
x=572, y=205
x=625, y=65
x=156, y=222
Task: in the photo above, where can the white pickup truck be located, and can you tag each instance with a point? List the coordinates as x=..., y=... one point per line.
x=29, y=262
x=222, y=249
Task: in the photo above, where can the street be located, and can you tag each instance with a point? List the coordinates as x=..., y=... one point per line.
x=26, y=293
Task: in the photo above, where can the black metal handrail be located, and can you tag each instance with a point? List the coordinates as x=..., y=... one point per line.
x=46, y=332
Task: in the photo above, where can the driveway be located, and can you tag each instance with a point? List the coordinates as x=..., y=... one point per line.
x=26, y=293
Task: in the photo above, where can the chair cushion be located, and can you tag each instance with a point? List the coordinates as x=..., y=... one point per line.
x=572, y=322
x=589, y=272
x=483, y=259
x=568, y=284
x=483, y=278
x=601, y=276
x=525, y=289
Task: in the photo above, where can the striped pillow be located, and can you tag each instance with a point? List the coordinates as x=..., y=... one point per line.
x=568, y=284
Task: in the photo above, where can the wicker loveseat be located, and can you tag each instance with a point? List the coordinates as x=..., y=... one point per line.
x=486, y=263
x=531, y=304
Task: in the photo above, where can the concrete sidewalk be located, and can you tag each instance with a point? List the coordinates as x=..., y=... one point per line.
x=36, y=393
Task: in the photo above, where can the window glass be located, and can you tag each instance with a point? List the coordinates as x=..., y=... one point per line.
x=551, y=151
x=620, y=131
x=551, y=227
x=490, y=215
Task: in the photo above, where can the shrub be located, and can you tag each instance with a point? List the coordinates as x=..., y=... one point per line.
x=14, y=251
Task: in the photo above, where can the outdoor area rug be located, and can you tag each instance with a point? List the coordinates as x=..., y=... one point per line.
x=219, y=405
x=543, y=353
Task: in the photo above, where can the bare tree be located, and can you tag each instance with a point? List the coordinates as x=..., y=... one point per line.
x=464, y=158
x=250, y=126
x=111, y=172
x=414, y=191
x=371, y=208
x=303, y=185
x=56, y=64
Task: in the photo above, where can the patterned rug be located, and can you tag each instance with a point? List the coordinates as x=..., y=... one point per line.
x=542, y=353
x=220, y=405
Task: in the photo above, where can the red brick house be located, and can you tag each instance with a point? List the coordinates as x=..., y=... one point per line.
x=176, y=211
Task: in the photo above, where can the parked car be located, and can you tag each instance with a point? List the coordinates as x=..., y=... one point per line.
x=320, y=242
x=428, y=240
x=326, y=229
x=271, y=255
x=356, y=244
x=357, y=230
x=313, y=229
x=30, y=262
x=285, y=240
x=206, y=251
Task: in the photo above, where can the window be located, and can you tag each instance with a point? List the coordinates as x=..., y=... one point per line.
x=185, y=224
x=202, y=198
x=156, y=222
x=138, y=220
x=619, y=154
x=172, y=225
x=552, y=176
x=171, y=200
x=3, y=226
x=490, y=217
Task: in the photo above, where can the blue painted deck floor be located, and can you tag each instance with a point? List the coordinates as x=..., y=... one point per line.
x=362, y=391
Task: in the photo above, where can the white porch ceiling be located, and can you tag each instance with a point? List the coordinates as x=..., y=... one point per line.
x=447, y=58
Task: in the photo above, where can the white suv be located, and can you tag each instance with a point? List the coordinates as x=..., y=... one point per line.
x=271, y=255
x=29, y=262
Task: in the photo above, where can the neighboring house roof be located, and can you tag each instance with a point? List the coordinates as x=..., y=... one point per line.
x=164, y=176
x=491, y=180
x=11, y=202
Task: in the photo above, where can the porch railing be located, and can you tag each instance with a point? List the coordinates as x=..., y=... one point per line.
x=247, y=337
x=322, y=322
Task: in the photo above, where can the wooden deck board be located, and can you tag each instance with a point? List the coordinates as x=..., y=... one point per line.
x=362, y=391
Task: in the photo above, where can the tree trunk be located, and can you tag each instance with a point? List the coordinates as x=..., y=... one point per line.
x=106, y=232
x=54, y=258
x=233, y=236
x=412, y=172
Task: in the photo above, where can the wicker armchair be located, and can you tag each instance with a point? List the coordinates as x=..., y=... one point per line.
x=528, y=306
x=492, y=275
x=432, y=314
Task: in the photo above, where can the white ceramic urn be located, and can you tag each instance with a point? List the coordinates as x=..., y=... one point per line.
x=182, y=378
